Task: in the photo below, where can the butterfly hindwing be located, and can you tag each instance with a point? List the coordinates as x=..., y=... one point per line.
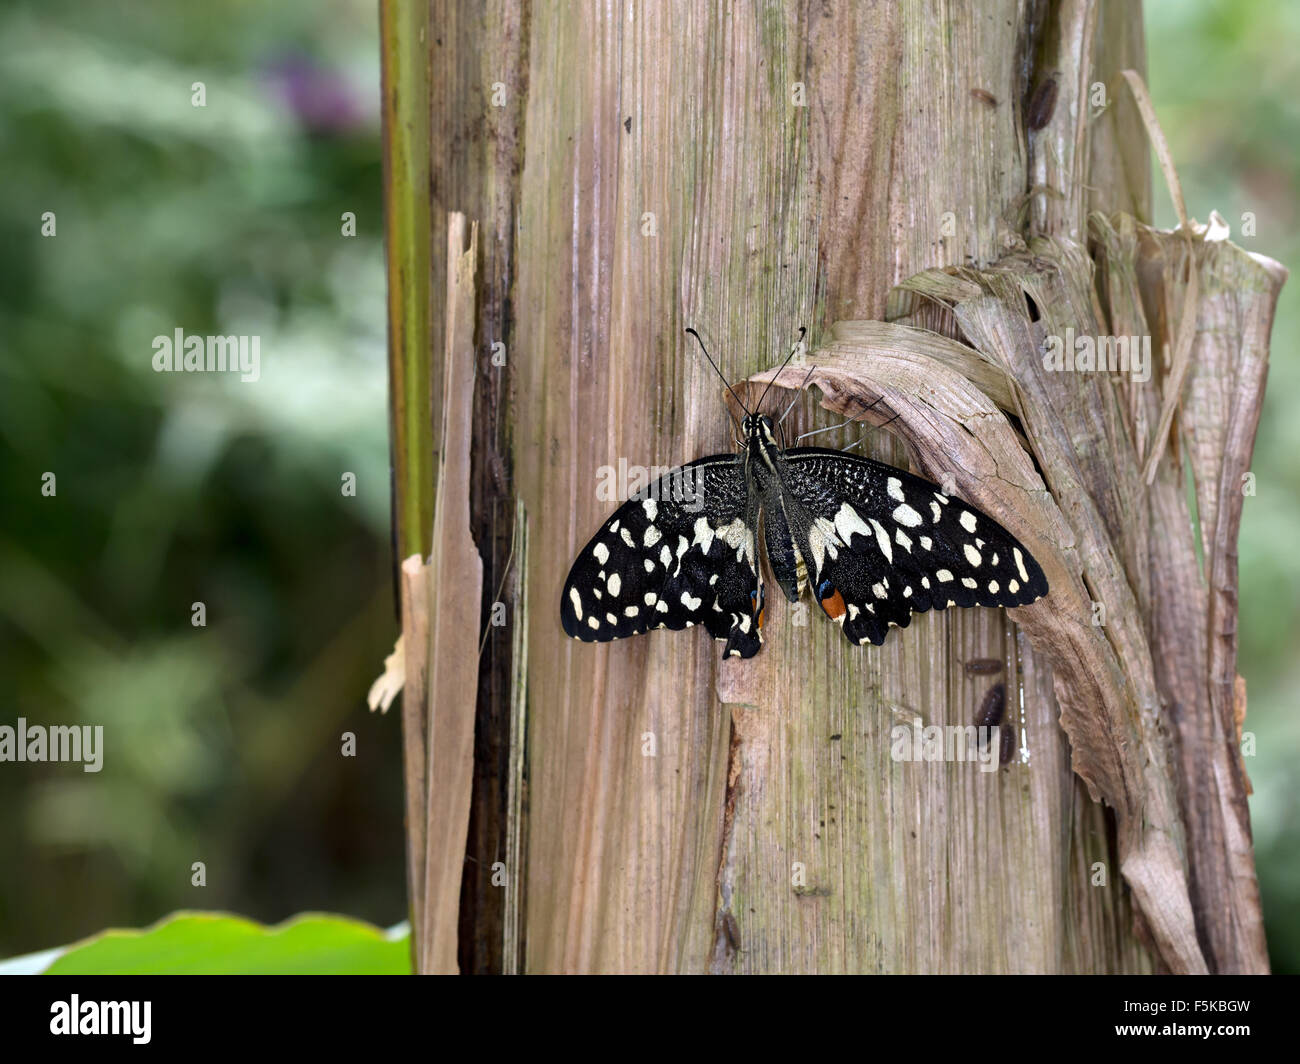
x=677, y=554
x=881, y=544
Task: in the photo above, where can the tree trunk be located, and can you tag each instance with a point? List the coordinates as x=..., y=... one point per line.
x=747, y=169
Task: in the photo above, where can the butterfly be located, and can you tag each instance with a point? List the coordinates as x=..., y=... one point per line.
x=875, y=543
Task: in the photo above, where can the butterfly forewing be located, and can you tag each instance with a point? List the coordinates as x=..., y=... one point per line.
x=678, y=554
x=881, y=544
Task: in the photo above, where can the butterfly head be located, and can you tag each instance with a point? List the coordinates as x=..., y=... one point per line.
x=757, y=427
x=761, y=448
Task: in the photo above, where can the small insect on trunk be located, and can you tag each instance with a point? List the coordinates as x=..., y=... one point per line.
x=731, y=931
x=989, y=714
x=1008, y=749
x=983, y=666
x=1042, y=103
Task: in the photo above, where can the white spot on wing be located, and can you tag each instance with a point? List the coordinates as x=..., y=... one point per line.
x=682, y=548
x=651, y=509
x=823, y=541
x=652, y=536
x=903, y=540
x=972, y=556
x=943, y=576
x=601, y=552
x=738, y=535
x=895, y=488
x=577, y=602
x=817, y=544
x=733, y=534
x=703, y=534
x=967, y=520
x=615, y=585
x=882, y=540
x=848, y=523
x=905, y=515
x=691, y=604
x=627, y=537
x=1020, y=564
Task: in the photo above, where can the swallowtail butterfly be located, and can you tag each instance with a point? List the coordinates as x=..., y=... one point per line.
x=875, y=543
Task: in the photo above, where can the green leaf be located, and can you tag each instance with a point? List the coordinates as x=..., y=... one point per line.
x=197, y=943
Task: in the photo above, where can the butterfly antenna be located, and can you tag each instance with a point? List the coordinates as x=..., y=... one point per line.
x=718, y=371
x=793, y=351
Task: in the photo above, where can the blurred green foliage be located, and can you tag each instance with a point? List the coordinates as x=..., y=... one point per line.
x=222, y=743
x=1225, y=79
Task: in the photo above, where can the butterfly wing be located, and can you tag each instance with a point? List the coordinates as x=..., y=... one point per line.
x=677, y=554
x=881, y=544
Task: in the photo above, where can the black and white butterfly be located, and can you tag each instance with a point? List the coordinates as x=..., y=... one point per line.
x=875, y=543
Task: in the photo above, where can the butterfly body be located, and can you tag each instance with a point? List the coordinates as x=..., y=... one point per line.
x=875, y=544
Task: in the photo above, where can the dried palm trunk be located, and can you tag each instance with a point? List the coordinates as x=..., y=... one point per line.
x=747, y=169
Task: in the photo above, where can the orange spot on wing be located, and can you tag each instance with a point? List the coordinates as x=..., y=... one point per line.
x=833, y=604
x=760, y=616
